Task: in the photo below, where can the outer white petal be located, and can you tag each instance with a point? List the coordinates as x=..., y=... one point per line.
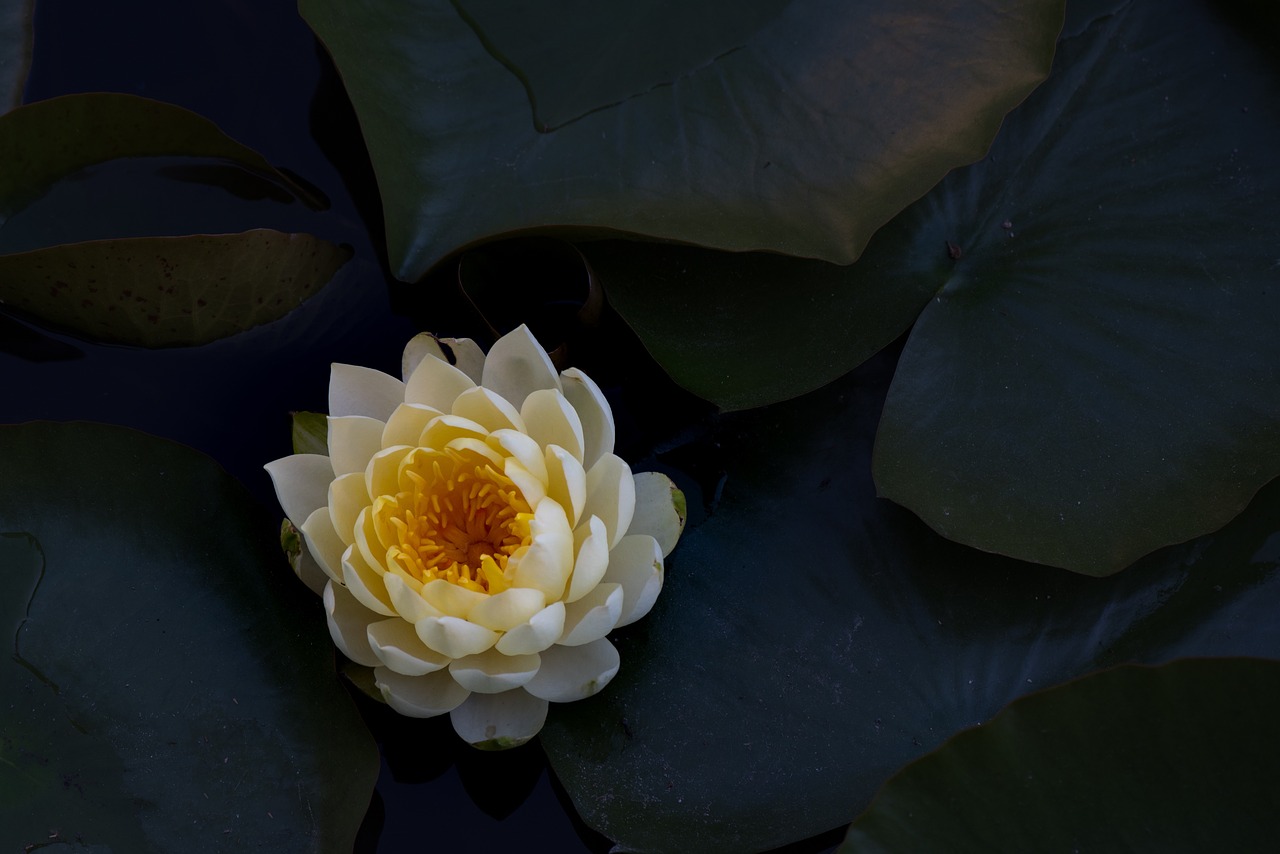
x=436, y=383
x=523, y=448
x=636, y=564
x=548, y=560
x=420, y=696
x=407, y=423
x=349, y=624
x=310, y=573
x=353, y=440
x=508, y=609
x=347, y=497
x=591, y=545
x=323, y=543
x=517, y=366
x=302, y=484
x=382, y=476
x=491, y=672
x=365, y=583
x=550, y=420
x=468, y=357
x=593, y=616
x=539, y=632
x=399, y=648
x=593, y=410
x=660, y=509
x=455, y=637
x=354, y=390
x=420, y=346
x=407, y=601
x=571, y=673
x=611, y=495
x=489, y=408
x=499, y=721
x=566, y=482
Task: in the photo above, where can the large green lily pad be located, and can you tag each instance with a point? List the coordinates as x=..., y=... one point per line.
x=170, y=686
x=812, y=638
x=1183, y=757
x=743, y=126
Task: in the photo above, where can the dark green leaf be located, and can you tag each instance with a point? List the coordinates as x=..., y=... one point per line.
x=812, y=638
x=310, y=433
x=15, y=50
x=1099, y=373
x=170, y=685
x=1183, y=757
x=168, y=291
x=750, y=127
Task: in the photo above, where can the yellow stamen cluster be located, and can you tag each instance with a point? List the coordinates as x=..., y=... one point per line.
x=456, y=517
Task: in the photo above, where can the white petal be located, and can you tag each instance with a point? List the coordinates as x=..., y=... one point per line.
x=468, y=357
x=517, y=366
x=593, y=410
x=436, y=383
x=660, y=509
x=302, y=484
x=399, y=648
x=531, y=487
x=382, y=477
x=349, y=624
x=481, y=448
x=489, y=408
x=636, y=564
x=354, y=390
x=407, y=423
x=523, y=448
x=535, y=635
x=451, y=599
x=420, y=696
x=566, y=482
x=550, y=420
x=407, y=601
x=353, y=440
x=611, y=495
x=547, y=562
x=420, y=346
x=593, y=616
x=444, y=429
x=347, y=497
x=491, y=672
x=571, y=673
x=499, y=721
x=591, y=543
x=309, y=572
x=365, y=583
x=508, y=609
x=455, y=637
x=324, y=544
x=369, y=547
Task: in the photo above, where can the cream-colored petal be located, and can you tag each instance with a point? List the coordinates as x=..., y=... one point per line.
x=550, y=420
x=455, y=637
x=406, y=424
x=636, y=564
x=420, y=696
x=539, y=632
x=347, y=497
x=593, y=410
x=499, y=721
x=593, y=616
x=569, y=673
x=349, y=624
x=660, y=509
x=365, y=583
x=353, y=440
x=491, y=672
x=531, y=487
x=309, y=572
x=566, y=482
x=451, y=599
x=480, y=447
x=323, y=543
x=508, y=609
x=591, y=546
x=354, y=390
x=467, y=357
x=436, y=383
x=489, y=408
x=420, y=346
x=368, y=545
x=517, y=366
x=444, y=429
x=407, y=601
x=611, y=495
x=399, y=648
x=302, y=484
x=382, y=475
x=523, y=448
x=547, y=563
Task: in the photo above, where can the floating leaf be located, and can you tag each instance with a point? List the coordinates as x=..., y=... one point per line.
x=169, y=681
x=1182, y=757
x=744, y=128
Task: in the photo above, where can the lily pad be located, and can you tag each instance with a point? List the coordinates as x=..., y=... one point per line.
x=168, y=291
x=1098, y=374
x=743, y=127
x=1183, y=757
x=169, y=685
x=812, y=638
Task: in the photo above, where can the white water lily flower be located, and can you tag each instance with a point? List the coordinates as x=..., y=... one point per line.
x=477, y=536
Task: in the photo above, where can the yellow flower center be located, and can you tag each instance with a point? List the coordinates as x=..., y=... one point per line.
x=456, y=517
